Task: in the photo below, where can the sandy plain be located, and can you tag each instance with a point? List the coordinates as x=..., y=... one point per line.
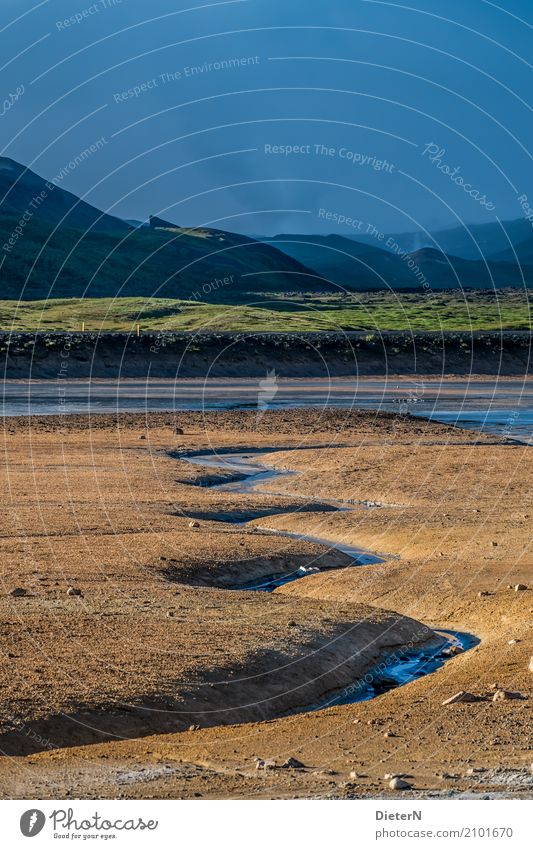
x=162, y=680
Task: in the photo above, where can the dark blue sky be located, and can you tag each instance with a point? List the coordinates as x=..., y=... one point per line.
x=370, y=84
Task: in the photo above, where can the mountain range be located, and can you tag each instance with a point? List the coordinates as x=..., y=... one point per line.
x=54, y=244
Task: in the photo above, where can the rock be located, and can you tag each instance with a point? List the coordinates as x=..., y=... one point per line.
x=292, y=624
x=194, y=524
x=399, y=784
x=519, y=587
x=292, y=763
x=389, y=734
x=171, y=613
x=74, y=591
x=494, y=543
x=483, y=593
x=18, y=592
x=178, y=431
x=512, y=642
x=474, y=770
x=142, y=436
x=530, y=667
x=461, y=696
x=451, y=651
x=506, y=695
x=194, y=727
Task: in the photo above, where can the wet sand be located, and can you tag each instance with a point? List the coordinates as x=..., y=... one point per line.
x=159, y=641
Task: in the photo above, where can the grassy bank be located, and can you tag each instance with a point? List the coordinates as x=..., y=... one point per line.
x=451, y=311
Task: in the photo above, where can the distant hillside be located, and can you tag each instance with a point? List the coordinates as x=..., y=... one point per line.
x=524, y=252
x=22, y=192
x=96, y=255
x=357, y=266
x=458, y=241
x=347, y=263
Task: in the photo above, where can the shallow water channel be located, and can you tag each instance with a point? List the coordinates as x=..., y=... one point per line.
x=397, y=668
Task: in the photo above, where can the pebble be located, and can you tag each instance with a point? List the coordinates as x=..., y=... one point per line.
x=399, y=784
x=461, y=696
x=268, y=765
x=292, y=763
x=505, y=695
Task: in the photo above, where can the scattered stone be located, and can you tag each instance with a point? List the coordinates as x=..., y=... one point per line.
x=519, y=587
x=399, y=784
x=74, y=591
x=263, y=763
x=292, y=763
x=194, y=524
x=18, y=592
x=461, y=696
x=506, y=695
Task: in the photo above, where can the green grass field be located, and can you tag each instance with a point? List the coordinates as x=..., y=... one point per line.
x=479, y=310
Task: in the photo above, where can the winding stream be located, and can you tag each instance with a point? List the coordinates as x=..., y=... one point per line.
x=397, y=668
